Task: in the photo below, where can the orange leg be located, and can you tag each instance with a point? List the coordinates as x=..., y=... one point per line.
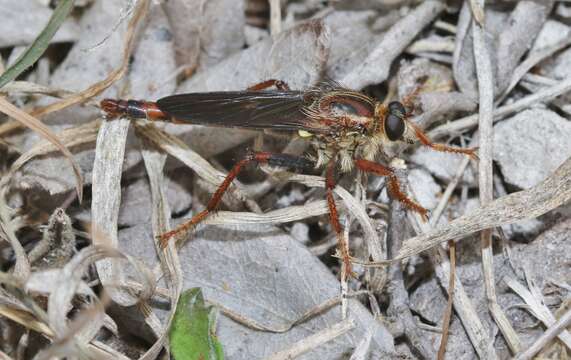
x=291, y=162
x=409, y=100
x=424, y=140
x=279, y=84
x=342, y=243
x=393, y=185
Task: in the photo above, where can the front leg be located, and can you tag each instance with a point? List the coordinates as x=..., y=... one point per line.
x=424, y=140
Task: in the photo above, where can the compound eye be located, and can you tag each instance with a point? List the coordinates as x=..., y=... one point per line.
x=394, y=127
x=396, y=108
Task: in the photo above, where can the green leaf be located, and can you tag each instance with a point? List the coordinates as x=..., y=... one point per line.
x=40, y=44
x=192, y=331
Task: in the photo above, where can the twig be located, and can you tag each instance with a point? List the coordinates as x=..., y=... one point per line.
x=477, y=333
x=547, y=336
x=375, y=68
x=468, y=122
x=527, y=204
x=154, y=163
x=448, y=314
x=100, y=86
x=22, y=267
x=444, y=272
x=537, y=307
x=309, y=314
x=486, y=175
x=437, y=212
x=314, y=341
x=362, y=348
x=526, y=65
x=399, y=307
x=275, y=17
x=106, y=188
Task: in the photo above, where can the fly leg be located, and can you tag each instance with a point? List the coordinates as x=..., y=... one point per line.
x=279, y=84
x=408, y=100
x=409, y=104
x=342, y=243
x=287, y=161
x=393, y=185
x=424, y=140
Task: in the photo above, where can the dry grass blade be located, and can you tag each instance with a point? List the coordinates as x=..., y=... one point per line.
x=83, y=134
x=37, y=126
x=154, y=163
x=100, y=350
x=530, y=62
x=477, y=7
x=315, y=311
x=107, y=170
x=279, y=216
x=375, y=68
x=468, y=122
x=25, y=319
x=82, y=329
x=485, y=77
x=448, y=314
x=69, y=281
x=527, y=204
x=466, y=311
x=97, y=88
x=275, y=17
x=538, y=308
x=399, y=308
x=22, y=267
x=21, y=307
x=177, y=148
x=362, y=349
x=354, y=207
x=477, y=333
x=26, y=87
x=554, y=330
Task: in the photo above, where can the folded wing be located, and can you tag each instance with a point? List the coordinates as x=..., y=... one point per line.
x=279, y=110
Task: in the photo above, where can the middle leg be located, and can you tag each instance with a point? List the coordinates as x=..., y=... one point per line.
x=393, y=185
x=279, y=84
x=342, y=243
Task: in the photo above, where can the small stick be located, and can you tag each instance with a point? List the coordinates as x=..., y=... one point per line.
x=547, y=336
x=313, y=341
x=448, y=313
x=486, y=120
x=399, y=301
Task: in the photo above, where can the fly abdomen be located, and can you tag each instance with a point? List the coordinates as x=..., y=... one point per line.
x=133, y=109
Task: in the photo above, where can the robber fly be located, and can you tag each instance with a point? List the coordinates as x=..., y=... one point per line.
x=346, y=128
